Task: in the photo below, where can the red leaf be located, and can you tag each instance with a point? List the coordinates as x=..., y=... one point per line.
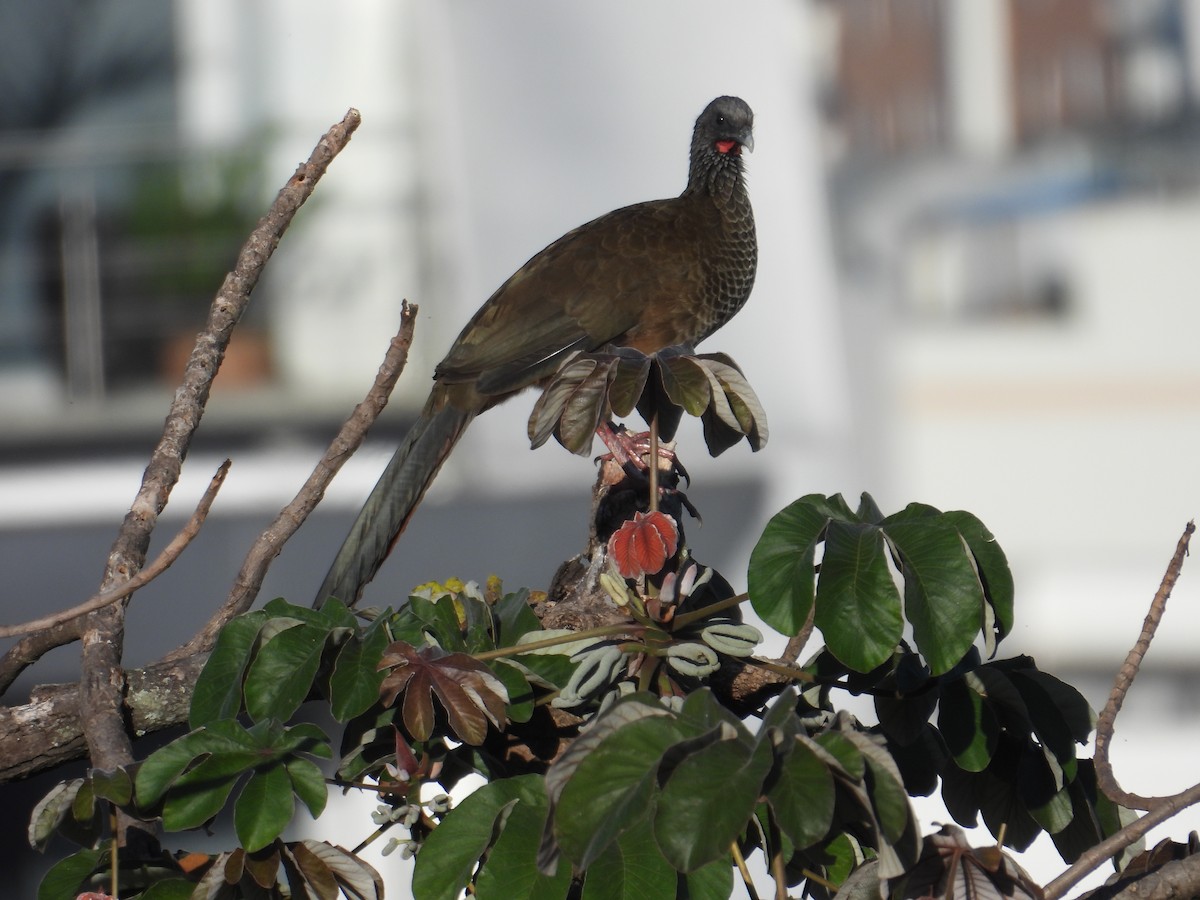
x=643, y=544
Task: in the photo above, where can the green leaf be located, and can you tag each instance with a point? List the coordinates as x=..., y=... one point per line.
x=943, y=597
x=113, y=785
x=781, y=578
x=200, y=793
x=968, y=723
x=992, y=565
x=218, y=693
x=632, y=868
x=510, y=866
x=440, y=621
x=514, y=619
x=1061, y=716
x=354, y=683
x=171, y=889
x=627, y=384
x=282, y=673
x=520, y=694
x=711, y=882
x=308, y=783
x=1055, y=814
x=738, y=767
x=448, y=859
x=264, y=808
x=802, y=797
x=612, y=789
x=686, y=383
x=65, y=877
x=858, y=606
x=164, y=766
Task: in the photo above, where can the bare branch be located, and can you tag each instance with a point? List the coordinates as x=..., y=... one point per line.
x=33, y=647
x=161, y=563
x=1124, y=681
x=1159, y=808
x=268, y=545
x=1096, y=856
x=795, y=644
x=46, y=732
x=100, y=703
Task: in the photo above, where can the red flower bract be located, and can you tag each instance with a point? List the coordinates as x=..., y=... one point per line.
x=643, y=544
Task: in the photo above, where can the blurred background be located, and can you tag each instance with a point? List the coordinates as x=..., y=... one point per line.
x=978, y=224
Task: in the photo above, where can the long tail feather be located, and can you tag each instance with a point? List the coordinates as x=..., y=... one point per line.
x=394, y=498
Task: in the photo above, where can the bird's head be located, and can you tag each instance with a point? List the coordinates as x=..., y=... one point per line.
x=725, y=127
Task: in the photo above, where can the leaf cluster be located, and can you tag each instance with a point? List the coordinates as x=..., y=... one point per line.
x=652, y=786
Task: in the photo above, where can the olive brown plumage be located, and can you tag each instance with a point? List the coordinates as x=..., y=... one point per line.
x=649, y=276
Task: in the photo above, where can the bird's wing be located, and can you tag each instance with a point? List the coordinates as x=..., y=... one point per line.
x=589, y=288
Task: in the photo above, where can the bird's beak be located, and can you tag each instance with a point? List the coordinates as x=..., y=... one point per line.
x=746, y=139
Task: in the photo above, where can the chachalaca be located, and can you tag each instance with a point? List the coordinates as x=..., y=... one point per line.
x=648, y=276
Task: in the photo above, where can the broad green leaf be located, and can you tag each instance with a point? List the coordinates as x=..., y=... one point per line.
x=308, y=783
x=218, y=693
x=165, y=765
x=441, y=622
x=510, y=868
x=719, y=786
x=888, y=797
x=354, y=683
x=113, y=785
x=520, y=694
x=842, y=753
x=264, y=808
x=858, y=606
x=627, y=383
x=943, y=598
x=282, y=673
x=992, y=564
x=686, y=383
x=1055, y=814
x=200, y=793
x=66, y=876
x=847, y=856
x=967, y=723
x=513, y=618
x=171, y=889
x=711, y=882
x=1061, y=716
x=618, y=716
x=802, y=797
x=612, y=788
x=632, y=868
x=868, y=510
x=781, y=578
x=449, y=856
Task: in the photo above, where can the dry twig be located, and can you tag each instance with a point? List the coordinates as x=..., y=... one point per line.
x=101, y=703
x=268, y=545
x=1159, y=809
x=161, y=563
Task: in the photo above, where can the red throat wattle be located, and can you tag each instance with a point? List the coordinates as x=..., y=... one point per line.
x=725, y=146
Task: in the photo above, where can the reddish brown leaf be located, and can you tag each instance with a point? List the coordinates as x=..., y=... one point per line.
x=643, y=544
x=471, y=695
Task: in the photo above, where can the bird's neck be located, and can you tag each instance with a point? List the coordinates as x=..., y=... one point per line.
x=719, y=178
